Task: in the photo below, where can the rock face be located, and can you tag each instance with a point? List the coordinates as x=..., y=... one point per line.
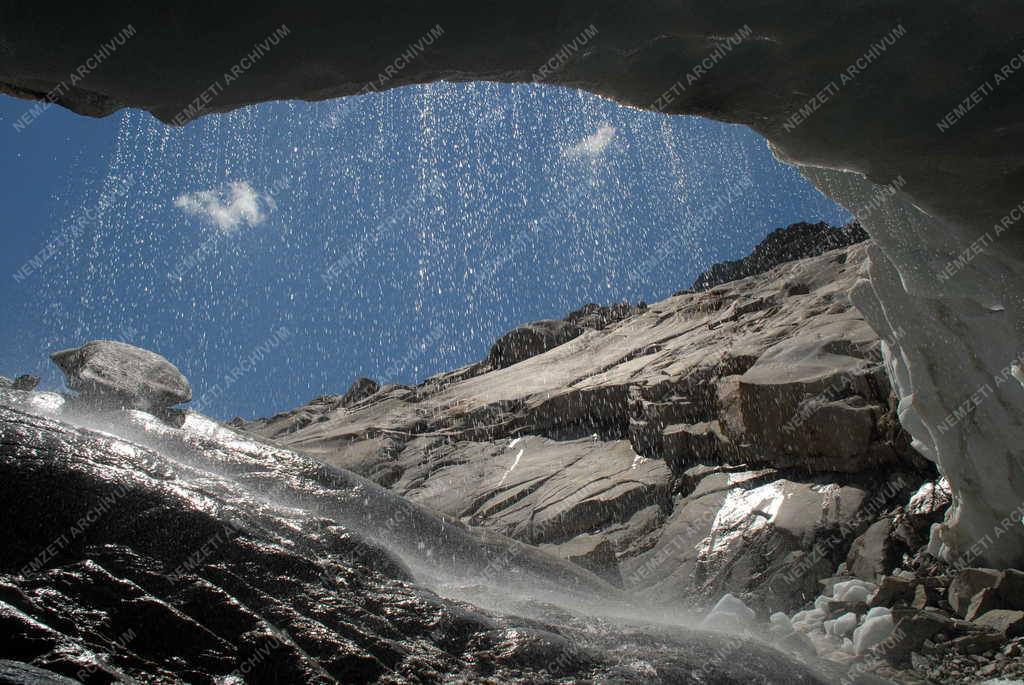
x=732, y=440
x=111, y=373
x=871, y=555
x=530, y=340
x=360, y=389
x=782, y=245
x=936, y=184
x=25, y=382
x=904, y=628
x=598, y=316
x=200, y=555
x=969, y=583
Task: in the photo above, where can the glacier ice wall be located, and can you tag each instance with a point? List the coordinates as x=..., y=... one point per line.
x=950, y=317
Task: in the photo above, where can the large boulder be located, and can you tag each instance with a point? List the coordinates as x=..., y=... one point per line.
x=968, y=584
x=1010, y=589
x=913, y=627
x=872, y=554
x=108, y=373
x=1006, y=621
x=530, y=340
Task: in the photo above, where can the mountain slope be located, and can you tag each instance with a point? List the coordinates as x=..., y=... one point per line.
x=703, y=444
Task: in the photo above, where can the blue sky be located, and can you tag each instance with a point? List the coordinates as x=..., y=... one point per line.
x=393, y=235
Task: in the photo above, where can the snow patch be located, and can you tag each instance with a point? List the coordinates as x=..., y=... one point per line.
x=853, y=590
x=513, y=467
x=729, y=613
x=874, y=631
x=743, y=512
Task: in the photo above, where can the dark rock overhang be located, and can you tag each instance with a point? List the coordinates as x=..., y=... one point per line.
x=882, y=121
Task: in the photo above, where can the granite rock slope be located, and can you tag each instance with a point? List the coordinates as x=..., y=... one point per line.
x=704, y=443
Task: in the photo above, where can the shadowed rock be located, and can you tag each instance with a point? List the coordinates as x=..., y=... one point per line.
x=947, y=183
x=782, y=245
x=25, y=382
x=199, y=556
x=360, y=390
x=530, y=340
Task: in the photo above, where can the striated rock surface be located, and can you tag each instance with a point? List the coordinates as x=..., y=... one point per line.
x=731, y=440
x=200, y=555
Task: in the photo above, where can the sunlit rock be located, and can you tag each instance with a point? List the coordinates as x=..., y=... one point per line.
x=967, y=584
x=854, y=590
x=872, y=553
x=107, y=373
x=1006, y=621
x=589, y=437
x=593, y=552
x=842, y=626
x=729, y=613
x=198, y=554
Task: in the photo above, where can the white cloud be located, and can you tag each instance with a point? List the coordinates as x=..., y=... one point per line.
x=593, y=145
x=228, y=207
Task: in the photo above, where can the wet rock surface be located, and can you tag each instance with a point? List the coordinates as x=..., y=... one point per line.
x=924, y=621
x=535, y=516
x=199, y=555
x=935, y=194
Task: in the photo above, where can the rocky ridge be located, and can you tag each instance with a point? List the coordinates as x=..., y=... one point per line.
x=737, y=438
x=704, y=444
x=796, y=241
x=940, y=198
